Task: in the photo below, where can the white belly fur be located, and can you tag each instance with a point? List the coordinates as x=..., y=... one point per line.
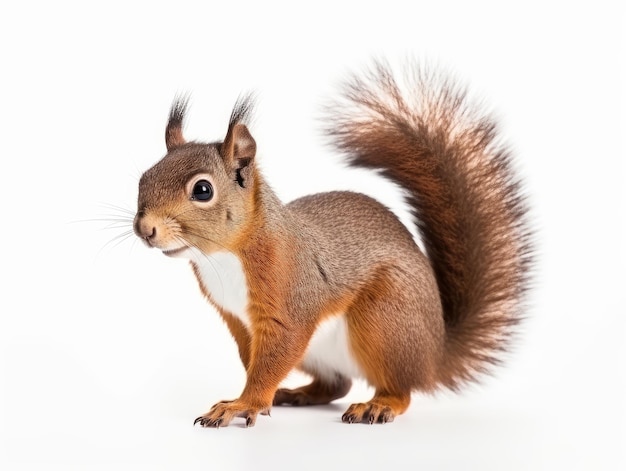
x=328, y=352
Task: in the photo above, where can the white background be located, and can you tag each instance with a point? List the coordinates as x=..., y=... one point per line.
x=108, y=352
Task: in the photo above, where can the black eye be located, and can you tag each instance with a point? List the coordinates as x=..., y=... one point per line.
x=202, y=191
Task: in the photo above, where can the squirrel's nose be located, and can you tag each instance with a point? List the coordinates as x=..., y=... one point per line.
x=150, y=236
x=144, y=229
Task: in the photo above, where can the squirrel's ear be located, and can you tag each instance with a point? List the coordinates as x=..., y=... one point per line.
x=238, y=144
x=238, y=152
x=174, y=130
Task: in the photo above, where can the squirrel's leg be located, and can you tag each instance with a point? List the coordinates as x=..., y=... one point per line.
x=241, y=336
x=275, y=350
x=394, y=336
x=320, y=391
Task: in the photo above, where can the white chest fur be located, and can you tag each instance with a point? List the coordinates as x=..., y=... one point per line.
x=223, y=278
x=329, y=351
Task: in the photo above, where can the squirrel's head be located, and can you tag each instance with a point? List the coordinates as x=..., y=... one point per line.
x=199, y=195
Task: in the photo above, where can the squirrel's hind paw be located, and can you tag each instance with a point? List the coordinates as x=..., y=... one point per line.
x=368, y=413
x=381, y=409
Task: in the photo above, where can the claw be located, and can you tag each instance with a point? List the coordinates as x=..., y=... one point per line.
x=206, y=422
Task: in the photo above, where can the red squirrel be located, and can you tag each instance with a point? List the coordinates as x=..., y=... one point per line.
x=333, y=284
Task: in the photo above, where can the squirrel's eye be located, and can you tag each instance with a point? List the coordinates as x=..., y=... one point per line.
x=202, y=191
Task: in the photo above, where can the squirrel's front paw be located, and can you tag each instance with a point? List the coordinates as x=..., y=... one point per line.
x=223, y=412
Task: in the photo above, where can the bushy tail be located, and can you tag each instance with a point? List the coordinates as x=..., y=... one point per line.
x=423, y=134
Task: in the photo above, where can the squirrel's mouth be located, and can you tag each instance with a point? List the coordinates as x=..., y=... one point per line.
x=174, y=252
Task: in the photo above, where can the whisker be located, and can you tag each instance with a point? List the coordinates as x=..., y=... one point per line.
x=116, y=241
x=121, y=237
x=113, y=214
x=121, y=209
x=116, y=220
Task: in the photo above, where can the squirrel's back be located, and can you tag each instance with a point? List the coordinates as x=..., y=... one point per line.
x=352, y=235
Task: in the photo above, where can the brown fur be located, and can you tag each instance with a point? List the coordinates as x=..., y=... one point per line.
x=414, y=322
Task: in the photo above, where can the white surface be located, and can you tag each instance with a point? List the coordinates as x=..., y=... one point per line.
x=108, y=351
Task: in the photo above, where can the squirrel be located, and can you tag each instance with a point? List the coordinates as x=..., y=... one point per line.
x=334, y=284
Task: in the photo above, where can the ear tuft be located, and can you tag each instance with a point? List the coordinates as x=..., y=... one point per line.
x=242, y=111
x=174, y=130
